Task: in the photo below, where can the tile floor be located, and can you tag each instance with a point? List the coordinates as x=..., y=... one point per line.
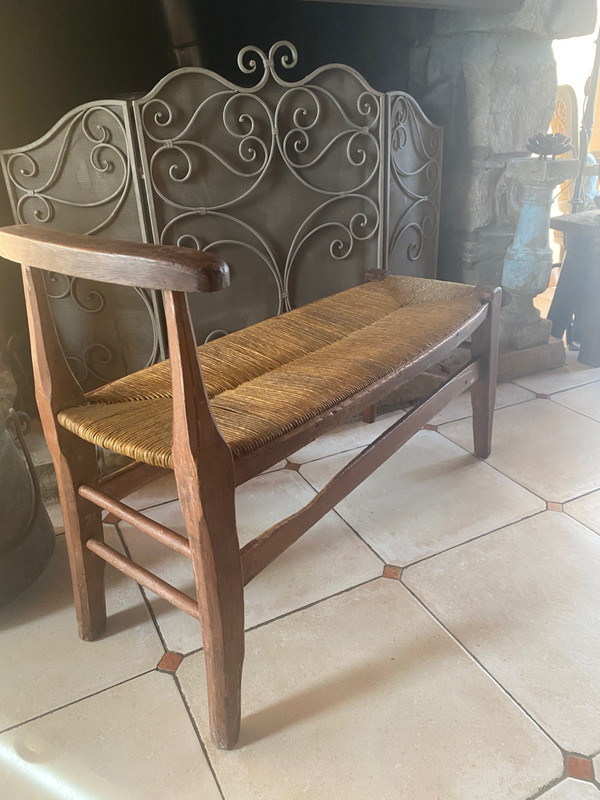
x=433, y=638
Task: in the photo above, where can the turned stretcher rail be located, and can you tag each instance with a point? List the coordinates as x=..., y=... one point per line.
x=144, y=577
x=159, y=532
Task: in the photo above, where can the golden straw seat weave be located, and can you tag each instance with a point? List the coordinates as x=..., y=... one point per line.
x=269, y=379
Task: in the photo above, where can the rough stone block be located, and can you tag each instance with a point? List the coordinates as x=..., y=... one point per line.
x=477, y=187
x=516, y=335
x=511, y=91
x=508, y=198
x=508, y=86
x=542, y=18
x=480, y=254
x=517, y=363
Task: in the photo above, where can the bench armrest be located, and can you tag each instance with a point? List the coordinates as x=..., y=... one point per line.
x=148, y=266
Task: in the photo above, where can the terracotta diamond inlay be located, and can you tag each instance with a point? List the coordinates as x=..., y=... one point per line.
x=392, y=572
x=554, y=506
x=169, y=662
x=579, y=767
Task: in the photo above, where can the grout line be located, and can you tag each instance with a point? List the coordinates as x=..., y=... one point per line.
x=152, y=506
x=473, y=539
x=595, y=755
x=460, y=544
x=359, y=537
x=356, y=449
x=477, y=661
x=313, y=603
x=292, y=611
x=349, y=449
x=79, y=700
x=510, y=478
x=495, y=468
x=496, y=408
x=198, y=735
x=336, y=453
x=541, y=792
x=337, y=514
x=576, y=386
x=142, y=591
x=575, y=410
x=559, y=391
x=580, y=496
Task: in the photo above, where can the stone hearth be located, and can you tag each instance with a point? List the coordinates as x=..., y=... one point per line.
x=490, y=80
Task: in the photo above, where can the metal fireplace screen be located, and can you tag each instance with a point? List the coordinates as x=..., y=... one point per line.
x=302, y=187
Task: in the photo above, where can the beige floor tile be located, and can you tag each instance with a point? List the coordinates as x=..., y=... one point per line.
x=132, y=742
x=556, y=380
x=275, y=467
x=163, y=490
x=507, y=394
x=429, y=496
x=550, y=450
x=346, y=437
x=364, y=696
x=596, y=762
x=525, y=601
x=44, y=664
x=586, y=509
x=328, y=558
x=56, y=518
x=584, y=399
x=572, y=790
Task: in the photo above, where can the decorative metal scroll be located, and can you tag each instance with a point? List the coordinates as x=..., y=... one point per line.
x=413, y=203
x=284, y=180
x=302, y=187
x=81, y=177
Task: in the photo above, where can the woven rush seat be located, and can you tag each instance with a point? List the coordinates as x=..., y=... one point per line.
x=272, y=377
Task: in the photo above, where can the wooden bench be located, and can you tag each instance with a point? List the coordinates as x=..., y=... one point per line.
x=221, y=414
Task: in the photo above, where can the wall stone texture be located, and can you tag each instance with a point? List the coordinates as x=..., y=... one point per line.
x=490, y=79
x=549, y=19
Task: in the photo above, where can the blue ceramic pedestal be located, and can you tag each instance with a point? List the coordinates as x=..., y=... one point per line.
x=528, y=262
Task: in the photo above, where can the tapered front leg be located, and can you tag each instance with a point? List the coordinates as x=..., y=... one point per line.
x=205, y=478
x=219, y=585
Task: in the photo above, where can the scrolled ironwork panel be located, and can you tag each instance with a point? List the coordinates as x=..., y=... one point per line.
x=303, y=187
x=414, y=188
x=80, y=177
x=283, y=179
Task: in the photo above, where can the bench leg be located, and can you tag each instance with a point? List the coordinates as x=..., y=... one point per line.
x=219, y=585
x=369, y=415
x=76, y=464
x=484, y=345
